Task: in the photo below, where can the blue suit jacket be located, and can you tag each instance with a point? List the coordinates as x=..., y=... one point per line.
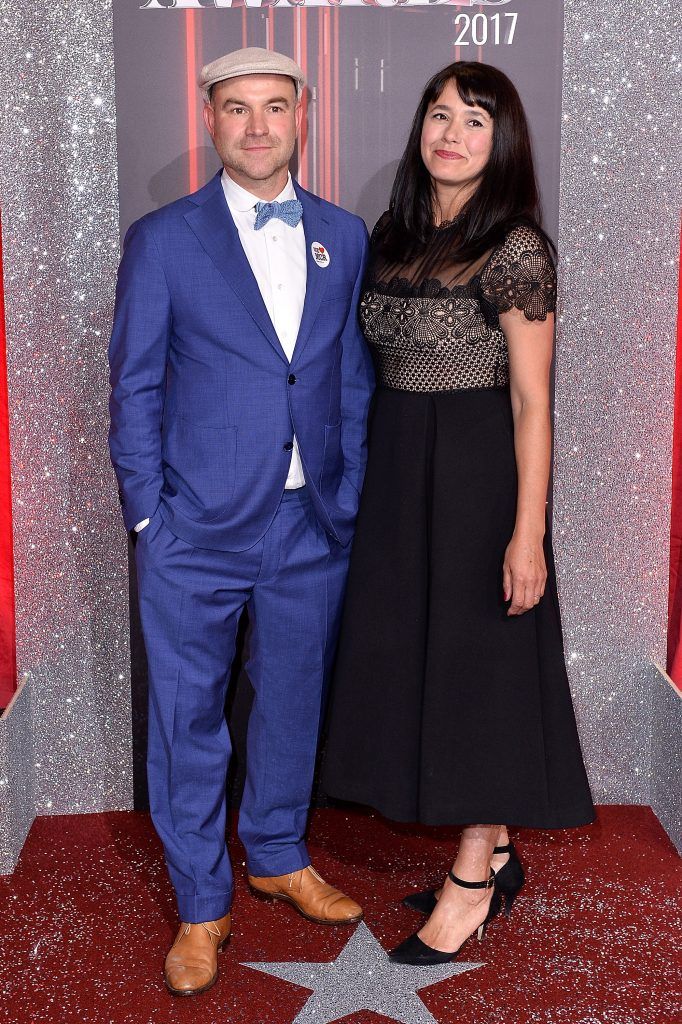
x=204, y=403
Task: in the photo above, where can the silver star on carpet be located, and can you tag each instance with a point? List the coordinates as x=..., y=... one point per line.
x=363, y=978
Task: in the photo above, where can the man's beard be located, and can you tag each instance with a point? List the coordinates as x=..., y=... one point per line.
x=275, y=160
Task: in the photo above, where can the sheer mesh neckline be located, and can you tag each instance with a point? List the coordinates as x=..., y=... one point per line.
x=429, y=288
x=446, y=223
x=518, y=273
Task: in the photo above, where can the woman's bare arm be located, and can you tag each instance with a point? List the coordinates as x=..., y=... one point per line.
x=530, y=356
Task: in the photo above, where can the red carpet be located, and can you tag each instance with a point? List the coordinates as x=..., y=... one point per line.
x=594, y=937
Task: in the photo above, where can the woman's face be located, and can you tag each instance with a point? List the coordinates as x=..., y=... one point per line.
x=456, y=140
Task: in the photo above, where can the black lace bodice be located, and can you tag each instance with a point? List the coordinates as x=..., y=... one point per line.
x=443, y=333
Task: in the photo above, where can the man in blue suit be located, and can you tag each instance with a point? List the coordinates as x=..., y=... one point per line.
x=240, y=388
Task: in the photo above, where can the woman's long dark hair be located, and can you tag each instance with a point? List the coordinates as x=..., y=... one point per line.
x=506, y=194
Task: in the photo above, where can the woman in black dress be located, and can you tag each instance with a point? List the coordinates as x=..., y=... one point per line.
x=451, y=702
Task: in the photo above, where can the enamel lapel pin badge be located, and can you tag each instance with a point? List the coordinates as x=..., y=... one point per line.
x=320, y=254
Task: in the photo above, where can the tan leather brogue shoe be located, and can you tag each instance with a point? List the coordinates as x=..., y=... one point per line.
x=192, y=962
x=310, y=895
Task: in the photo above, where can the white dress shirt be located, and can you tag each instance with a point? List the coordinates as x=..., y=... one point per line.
x=277, y=257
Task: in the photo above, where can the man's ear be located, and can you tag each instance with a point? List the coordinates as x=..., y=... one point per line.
x=298, y=115
x=209, y=118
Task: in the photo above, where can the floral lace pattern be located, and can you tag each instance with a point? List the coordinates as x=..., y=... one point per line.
x=425, y=321
x=521, y=276
x=427, y=337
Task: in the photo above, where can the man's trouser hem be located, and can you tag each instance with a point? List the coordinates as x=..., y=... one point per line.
x=194, y=909
x=283, y=863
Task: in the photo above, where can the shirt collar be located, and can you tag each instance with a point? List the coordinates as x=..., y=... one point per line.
x=240, y=201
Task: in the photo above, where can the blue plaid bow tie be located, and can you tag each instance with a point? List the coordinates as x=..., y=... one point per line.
x=290, y=211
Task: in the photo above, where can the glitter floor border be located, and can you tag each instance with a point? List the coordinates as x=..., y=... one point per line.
x=89, y=914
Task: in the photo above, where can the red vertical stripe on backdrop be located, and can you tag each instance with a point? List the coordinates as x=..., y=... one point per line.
x=319, y=106
x=192, y=134
x=8, y=651
x=302, y=60
x=245, y=34
x=675, y=594
x=480, y=49
x=299, y=57
x=271, y=28
x=335, y=30
x=328, y=104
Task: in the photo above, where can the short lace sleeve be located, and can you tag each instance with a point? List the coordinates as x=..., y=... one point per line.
x=520, y=274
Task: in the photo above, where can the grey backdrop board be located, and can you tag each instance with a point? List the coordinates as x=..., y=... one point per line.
x=385, y=56
x=381, y=59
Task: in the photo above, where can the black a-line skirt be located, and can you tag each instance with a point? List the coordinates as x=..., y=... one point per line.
x=445, y=710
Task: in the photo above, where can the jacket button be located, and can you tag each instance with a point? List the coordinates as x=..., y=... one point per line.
x=288, y=447
x=291, y=379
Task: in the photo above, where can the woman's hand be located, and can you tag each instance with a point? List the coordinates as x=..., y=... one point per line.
x=524, y=573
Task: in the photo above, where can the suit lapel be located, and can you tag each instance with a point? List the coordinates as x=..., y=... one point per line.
x=316, y=229
x=212, y=223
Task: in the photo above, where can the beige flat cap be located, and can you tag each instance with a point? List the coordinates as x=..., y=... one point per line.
x=251, y=61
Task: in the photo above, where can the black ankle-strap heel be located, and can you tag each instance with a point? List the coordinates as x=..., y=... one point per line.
x=510, y=878
x=415, y=952
x=425, y=902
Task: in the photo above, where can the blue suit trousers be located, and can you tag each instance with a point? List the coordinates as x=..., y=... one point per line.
x=191, y=598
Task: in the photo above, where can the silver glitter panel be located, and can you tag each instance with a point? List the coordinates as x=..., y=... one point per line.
x=666, y=755
x=619, y=249
x=61, y=245
x=16, y=777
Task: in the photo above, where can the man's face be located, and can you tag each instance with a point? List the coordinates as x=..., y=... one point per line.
x=254, y=121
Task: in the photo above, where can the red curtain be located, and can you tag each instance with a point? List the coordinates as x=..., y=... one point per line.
x=8, y=656
x=675, y=596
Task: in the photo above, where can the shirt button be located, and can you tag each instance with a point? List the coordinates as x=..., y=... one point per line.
x=279, y=287
x=274, y=238
x=291, y=379
x=288, y=447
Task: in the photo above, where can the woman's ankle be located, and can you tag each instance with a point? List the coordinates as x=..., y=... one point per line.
x=464, y=896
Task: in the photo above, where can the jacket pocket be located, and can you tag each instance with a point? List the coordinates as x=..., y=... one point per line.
x=201, y=469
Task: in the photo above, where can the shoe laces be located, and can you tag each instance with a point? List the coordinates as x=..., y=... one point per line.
x=209, y=926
